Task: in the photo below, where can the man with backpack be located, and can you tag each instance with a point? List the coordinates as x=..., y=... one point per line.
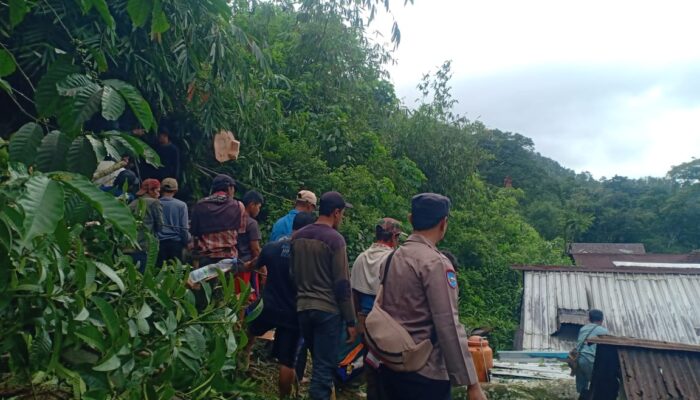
x=414, y=326
x=586, y=351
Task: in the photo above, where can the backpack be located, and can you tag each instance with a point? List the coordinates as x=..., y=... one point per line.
x=390, y=341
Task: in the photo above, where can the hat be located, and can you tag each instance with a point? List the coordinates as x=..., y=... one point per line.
x=148, y=184
x=169, y=185
x=126, y=176
x=427, y=209
x=389, y=225
x=331, y=201
x=222, y=182
x=307, y=196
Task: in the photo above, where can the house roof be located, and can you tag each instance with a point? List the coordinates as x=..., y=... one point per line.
x=609, y=260
x=646, y=303
x=606, y=248
x=649, y=369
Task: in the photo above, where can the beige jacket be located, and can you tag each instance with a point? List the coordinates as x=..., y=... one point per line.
x=420, y=293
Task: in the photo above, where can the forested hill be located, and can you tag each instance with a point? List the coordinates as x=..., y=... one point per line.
x=660, y=212
x=306, y=92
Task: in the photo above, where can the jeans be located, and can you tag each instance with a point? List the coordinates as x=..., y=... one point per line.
x=168, y=250
x=584, y=372
x=140, y=258
x=321, y=331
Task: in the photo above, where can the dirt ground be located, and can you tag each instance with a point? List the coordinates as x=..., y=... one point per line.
x=264, y=371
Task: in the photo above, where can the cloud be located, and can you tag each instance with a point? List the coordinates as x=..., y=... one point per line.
x=607, y=87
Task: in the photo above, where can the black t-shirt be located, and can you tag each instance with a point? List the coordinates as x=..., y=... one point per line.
x=170, y=158
x=280, y=292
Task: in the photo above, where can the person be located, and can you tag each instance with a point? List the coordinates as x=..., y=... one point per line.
x=175, y=234
x=217, y=220
x=279, y=304
x=125, y=179
x=169, y=155
x=151, y=211
x=586, y=351
x=324, y=304
x=420, y=293
x=305, y=202
x=249, y=240
x=364, y=280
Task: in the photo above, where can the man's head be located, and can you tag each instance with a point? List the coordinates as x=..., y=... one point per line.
x=150, y=187
x=168, y=187
x=305, y=201
x=595, y=316
x=332, y=208
x=253, y=202
x=129, y=178
x=223, y=183
x=429, y=212
x=302, y=219
x=163, y=136
x=387, y=231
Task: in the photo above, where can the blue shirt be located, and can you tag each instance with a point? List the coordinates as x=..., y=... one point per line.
x=283, y=226
x=174, y=220
x=589, y=331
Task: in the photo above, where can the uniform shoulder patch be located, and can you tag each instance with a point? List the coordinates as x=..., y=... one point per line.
x=452, y=279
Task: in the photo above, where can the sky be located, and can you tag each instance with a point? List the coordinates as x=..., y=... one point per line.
x=608, y=87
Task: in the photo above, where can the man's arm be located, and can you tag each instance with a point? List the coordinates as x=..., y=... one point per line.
x=184, y=230
x=440, y=284
x=341, y=289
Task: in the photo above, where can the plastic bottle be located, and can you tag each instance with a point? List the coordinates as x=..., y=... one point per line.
x=210, y=271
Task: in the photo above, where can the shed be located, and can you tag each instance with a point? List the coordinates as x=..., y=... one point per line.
x=642, y=302
x=648, y=259
x=644, y=369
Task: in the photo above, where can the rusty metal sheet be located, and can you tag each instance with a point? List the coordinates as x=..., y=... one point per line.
x=659, y=374
x=606, y=248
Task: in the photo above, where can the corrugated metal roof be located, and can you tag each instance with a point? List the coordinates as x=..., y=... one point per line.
x=607, y=260
x=646, y=305
x=606, y=248
x=649, y=370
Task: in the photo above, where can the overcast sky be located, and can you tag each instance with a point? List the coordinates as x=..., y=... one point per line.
x=609, y=87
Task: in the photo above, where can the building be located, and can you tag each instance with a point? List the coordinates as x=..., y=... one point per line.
x=644, y=369
x=651, y=303
x=605, y=248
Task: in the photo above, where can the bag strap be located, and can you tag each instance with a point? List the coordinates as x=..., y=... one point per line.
x=583, y=343
x=388, y=264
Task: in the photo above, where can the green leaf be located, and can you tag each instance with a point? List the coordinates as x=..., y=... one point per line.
x=159, y=22
x=101, y=6
x=111, y=209
x=110, y=364
x=111, y=274
x=24, y=143
x=143, y=149
x=112, y=104
x=109, y=316
x=18, y=9
x=81, y=157
x=82, y=315
x=138, y=11
x=42, y=203
x=145, y=311
x=136, y=102
x=5, y=85
x=87, y=97
x=51, y=155
x=255, y=313
x=7, y=63
x=46, y=97
x=196, y=341
x=92, y=336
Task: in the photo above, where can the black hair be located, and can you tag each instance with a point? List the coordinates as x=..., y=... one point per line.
x=253, y=197
x=327, y=209
x=380, y=235
x=595, y=315
x=163, y=130
x=451, y=257
x=302, y=219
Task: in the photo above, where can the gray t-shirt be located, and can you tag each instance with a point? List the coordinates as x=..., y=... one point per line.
x=252, y=233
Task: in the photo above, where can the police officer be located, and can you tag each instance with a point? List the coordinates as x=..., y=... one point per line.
x=421, y=294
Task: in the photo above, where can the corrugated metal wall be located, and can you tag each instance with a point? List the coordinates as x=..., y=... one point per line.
x=647, y=306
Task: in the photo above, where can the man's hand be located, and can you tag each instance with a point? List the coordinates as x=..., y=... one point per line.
x=352, y=334
x=475, y=393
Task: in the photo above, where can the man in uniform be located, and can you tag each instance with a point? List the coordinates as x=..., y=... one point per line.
x=421, y=294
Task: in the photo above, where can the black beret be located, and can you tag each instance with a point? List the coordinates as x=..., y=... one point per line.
x=427, y=209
